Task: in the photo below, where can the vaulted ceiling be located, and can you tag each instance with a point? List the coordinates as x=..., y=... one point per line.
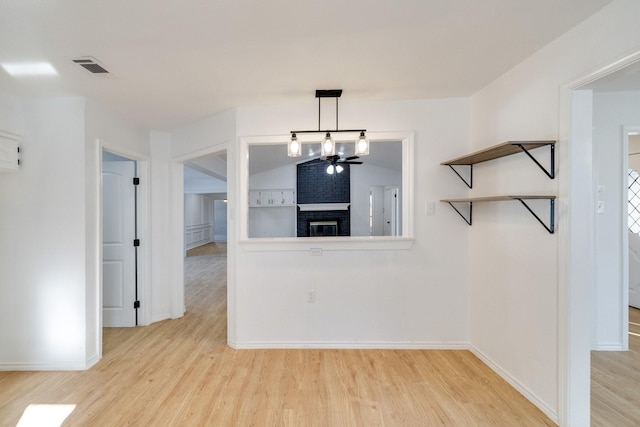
x=173, y=62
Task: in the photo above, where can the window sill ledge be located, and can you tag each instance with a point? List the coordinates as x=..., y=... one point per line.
x=326, y=244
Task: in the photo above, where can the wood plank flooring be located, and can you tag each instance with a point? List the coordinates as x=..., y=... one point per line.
x=615, y=382
x=181, y=373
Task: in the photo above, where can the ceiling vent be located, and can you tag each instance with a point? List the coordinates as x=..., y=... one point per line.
x=90, y=63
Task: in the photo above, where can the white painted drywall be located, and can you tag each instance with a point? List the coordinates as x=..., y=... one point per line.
x=198, y=182
x=514, y=284
x=404, y=298
x=161, y=180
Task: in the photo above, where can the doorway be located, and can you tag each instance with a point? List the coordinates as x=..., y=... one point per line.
x=204, y=191
x=593, y=310
x=384, y=210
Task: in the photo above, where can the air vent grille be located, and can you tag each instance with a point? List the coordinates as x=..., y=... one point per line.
x=91, y=64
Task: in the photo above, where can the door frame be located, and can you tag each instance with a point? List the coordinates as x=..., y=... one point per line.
x=176, y=291
x=576, y=242
x=143, y=218
x=626, y=131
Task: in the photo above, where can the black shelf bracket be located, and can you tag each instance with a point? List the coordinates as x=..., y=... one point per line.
x=551, y=227
x=467, y=220
x=551, y=173
x=470, y=182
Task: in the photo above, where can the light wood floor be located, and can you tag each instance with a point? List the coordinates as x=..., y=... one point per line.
x=181, y=373
x=615, y=382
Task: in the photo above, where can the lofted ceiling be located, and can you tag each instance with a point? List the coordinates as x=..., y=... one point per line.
x=173, y=62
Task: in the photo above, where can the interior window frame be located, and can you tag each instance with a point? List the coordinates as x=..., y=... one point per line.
x=404, y=241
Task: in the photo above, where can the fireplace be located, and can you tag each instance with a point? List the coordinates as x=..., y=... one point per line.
x=322, y=228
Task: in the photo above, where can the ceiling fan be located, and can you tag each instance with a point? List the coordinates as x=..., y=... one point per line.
x=336, y=161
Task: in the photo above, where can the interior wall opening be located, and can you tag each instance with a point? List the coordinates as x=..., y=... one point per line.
x=205, y=240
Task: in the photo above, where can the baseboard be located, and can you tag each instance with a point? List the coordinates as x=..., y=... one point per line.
x=531, y=397
x=72, y=366
x=349, y=345
x=609, y=347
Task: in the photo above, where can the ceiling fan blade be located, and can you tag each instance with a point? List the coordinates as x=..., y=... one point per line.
x=352, y=158
x=351, y=163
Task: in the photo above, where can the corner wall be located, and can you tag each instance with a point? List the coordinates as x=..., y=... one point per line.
x=514, y=264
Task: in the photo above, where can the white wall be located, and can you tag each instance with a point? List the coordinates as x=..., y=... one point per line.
x=611, y=111
x=198, y=182
x=198, y=220
x=161, y=222
x=42, y=251
x=514, y=263
x=395, y=298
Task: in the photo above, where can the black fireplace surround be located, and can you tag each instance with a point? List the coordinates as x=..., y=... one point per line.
x=315, y=185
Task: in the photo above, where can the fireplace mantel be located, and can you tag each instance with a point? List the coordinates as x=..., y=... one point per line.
x=324, y=206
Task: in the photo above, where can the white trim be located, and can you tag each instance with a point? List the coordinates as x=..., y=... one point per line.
x=543, y=406
x=573, y=334
x=408, y=176
x=626, y=131
x=610, y=347
x=144, y=222
x=354, y=243
x=350, y=345
x=177, y=235
x=38, y=366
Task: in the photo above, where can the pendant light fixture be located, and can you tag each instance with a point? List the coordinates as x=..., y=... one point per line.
x=362, y=145
x=294, y=149
x=328, y=144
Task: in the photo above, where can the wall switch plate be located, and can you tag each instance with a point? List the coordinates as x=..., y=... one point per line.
x=316, y=251
x=311, y=295
x=600, y=206
x=430, y=208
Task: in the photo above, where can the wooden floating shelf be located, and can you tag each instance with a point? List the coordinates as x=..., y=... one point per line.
x=496, y=198
x=503, y=150
x=471, y=200
x=497, y=151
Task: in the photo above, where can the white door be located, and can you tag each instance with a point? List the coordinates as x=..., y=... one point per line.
x=118, y=252
x=391, y=211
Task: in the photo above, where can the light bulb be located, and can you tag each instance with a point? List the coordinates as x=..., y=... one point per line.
x=339, y=168
x=328, y=146
x=362, y=145
x=294, y=147
x=330, y=169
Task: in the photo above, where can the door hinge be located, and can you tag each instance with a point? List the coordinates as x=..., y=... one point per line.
x=136, y=181
x=136, y=242
x=136, y=304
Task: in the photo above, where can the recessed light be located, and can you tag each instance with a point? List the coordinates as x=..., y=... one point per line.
x=30, y=69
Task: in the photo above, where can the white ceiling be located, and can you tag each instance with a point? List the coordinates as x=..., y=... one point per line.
x=173, y=62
